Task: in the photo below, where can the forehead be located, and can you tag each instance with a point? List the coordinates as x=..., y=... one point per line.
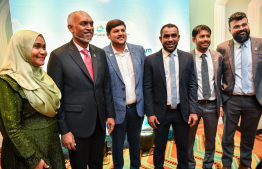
x=119, y=27
x=78, y=17
x=171, y=30
x=238, y=22
x=39, y=39
x=203, y=32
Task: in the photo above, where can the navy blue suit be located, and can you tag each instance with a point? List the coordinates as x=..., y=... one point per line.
x=128, y=120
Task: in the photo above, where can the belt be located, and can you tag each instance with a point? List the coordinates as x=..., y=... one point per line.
x=130, y=105
x=170, y=107
x=205, y=101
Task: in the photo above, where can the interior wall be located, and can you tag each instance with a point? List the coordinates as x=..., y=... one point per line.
x=201, y=12
x=260, y=21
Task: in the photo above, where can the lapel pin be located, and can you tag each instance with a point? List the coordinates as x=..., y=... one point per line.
x=94, y=55
x=215, y=59
x=255, y=48
x=110, y=55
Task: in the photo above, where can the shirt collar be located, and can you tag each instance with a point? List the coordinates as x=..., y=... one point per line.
x=166, y=53
x=246, y=43
x=115, y=52
x=79, y=47
x=200, y=53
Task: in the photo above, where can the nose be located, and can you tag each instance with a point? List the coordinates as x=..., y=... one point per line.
x=170, y=38
x=43, y=51
x=88, y=26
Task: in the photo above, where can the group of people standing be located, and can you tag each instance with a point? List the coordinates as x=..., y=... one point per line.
x=86, y=87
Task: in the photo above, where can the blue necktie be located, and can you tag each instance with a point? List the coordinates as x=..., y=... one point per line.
x=173, y=81
x=244, y=69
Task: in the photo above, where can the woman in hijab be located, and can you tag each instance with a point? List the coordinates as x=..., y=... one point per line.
x=29, y=99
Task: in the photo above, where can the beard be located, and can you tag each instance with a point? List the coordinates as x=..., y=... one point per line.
x=169, y=50
x=241, y=38
x=82, y=39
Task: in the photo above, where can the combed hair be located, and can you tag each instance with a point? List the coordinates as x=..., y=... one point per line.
x=198, y=28
x=236, y=16
x=114, y=23
x=169, y=25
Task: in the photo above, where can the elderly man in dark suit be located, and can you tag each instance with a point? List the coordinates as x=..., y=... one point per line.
x=170, y=94
x=208, y=66
x=80, y=71
x=242, y=89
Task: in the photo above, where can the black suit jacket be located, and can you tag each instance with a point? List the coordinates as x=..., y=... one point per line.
x=228, y=67
x=217, y=59
x=155, y=91
x=83, y=101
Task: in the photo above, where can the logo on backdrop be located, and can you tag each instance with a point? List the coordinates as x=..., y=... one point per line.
x=100, y=31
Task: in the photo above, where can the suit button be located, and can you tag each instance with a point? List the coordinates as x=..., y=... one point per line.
x=123, y=89
x=124, y=99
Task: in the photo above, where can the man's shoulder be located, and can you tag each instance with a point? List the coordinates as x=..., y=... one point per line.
x=61, y=49
x=96, y=48
x=258, y=40
x=215, y=53
x=156, y=54
x=184, y=53
x=135, y=46
x=224, y=44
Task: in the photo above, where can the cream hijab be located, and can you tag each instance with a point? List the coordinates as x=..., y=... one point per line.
x=39, y=88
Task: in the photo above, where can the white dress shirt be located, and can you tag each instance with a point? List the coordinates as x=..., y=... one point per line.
x=210, y=74
x=166, y=59
x=125, y=65
x=80, y=48
x=238, y=73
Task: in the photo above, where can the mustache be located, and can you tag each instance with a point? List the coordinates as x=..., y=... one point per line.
x=120, y=36
x=242, y=31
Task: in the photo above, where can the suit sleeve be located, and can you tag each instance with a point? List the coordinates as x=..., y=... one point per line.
x=148, y=88
x=55, y=71
x=192, y=88
x=220, y=79
x=108, y=99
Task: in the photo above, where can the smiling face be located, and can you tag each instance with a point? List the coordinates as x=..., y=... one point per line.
x=82, y=28
x=202, y=40
x=38, y=52
x=240, y=30
x=117, y=35
x=169, y=38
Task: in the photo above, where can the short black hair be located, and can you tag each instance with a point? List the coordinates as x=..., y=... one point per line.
x=169, y=25
x=114, y=23
x=198, y=28
x=236, y=16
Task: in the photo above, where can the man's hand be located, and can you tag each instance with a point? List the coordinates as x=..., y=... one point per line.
x=192, y=119
x=110, y=125
x=152, y=120
x=41, y=165
x=68, y=141
x=221, y=111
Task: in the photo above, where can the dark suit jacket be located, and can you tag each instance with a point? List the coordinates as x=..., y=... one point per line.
x=155, y=91
x=217, y=59
x=83, y=101
x=228, y=67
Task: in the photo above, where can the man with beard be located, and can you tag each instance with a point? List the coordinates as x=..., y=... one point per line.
x=170, y=92
x=208, y=65
x=241, y=89
x=126, y=68
x=81, y=73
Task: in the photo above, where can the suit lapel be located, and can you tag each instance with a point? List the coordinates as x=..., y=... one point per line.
x=180, y=61
x=136, y=62
x=215, y=67
x=160, y=63
x=112, y=58
x=194, y=58
x=254, y=51
x=231, y=56
x=74, y=53
x=95, y=61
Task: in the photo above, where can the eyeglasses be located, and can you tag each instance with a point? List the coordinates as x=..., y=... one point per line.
x=244, y=25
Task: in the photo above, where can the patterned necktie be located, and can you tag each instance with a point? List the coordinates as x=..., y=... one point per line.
x=244, y=69
x=205, y=78
x=88, y=63
x=173, y=81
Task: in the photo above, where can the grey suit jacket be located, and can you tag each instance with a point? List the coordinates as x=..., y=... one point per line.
x=117, y=83
x=228, y=67
x=217, y=59
x=83, y=101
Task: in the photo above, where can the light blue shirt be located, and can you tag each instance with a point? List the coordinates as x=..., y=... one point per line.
x=238, y=77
